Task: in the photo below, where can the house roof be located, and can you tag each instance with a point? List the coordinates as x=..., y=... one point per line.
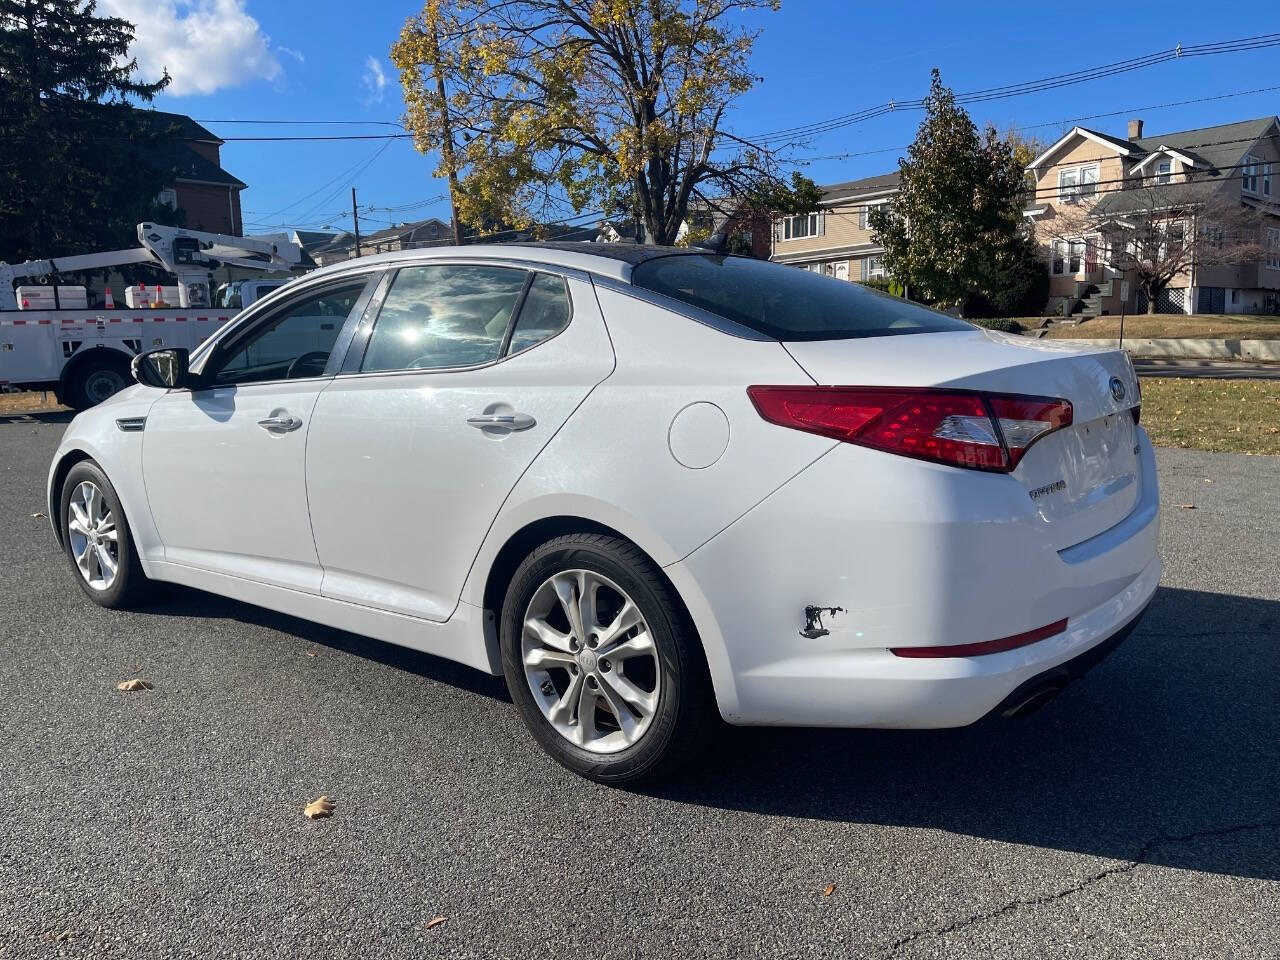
x=186, y=164
x=1216, y=147
x=406, y=229
x=881, y=183
x=178, y=125
x=1219, y=146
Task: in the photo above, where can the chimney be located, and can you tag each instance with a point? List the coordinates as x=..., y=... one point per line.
x=1135, y=129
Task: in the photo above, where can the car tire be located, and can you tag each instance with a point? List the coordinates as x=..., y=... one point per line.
x=96, y=378
x=109, y=536
x=666, y=700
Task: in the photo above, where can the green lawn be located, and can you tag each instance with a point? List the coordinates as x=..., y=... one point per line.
x=1215, y=326
x=1235, y=416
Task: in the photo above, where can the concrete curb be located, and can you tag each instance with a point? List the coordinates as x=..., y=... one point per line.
x=1177, y=348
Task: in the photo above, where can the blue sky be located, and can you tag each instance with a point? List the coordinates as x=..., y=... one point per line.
x=321, y=60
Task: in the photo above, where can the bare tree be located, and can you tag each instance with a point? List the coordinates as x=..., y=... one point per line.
x=1159, y=232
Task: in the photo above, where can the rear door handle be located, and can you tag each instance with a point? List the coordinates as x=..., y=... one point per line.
x=509, y=422
x=280, y=424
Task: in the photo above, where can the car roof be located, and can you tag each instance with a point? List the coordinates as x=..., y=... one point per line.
x=614, y=260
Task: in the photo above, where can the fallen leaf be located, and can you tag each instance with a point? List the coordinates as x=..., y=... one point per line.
x=39, y=516
x=829, y=889
x=1187, y=506
x=320, y=807
x=436, y=921
x=129, y=686
x=1207, y=480
x=310, y=653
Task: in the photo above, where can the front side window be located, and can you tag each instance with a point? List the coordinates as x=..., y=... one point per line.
x=1056, y=257
x=785, y=303
x=1273, y=248
x=291, y=343
x=1164, y=171
x=1077, y=182
x=444, y=315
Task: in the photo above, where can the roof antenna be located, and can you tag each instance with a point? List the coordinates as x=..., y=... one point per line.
x=715, y=243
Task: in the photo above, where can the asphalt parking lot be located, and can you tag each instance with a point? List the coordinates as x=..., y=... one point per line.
x=1137, y=815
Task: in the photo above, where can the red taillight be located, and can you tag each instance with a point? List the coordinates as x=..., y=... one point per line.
x=982, y=431
x=984, y=646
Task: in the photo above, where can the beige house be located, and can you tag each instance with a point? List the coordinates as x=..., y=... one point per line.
x=1107, y=177
x=836, y=239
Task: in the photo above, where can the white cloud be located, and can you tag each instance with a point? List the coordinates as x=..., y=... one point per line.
x=205, y=45
x=290, y=52
x=374, y=81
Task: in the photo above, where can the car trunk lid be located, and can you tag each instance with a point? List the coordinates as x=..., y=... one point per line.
x=1082, y=479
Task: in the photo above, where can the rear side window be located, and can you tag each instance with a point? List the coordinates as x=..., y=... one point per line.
x=447, y=315
x=544, y=313
x=785, y=302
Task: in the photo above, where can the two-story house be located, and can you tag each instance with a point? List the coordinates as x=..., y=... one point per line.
x=1109, y=180
x=200, y=187
x=836, y=238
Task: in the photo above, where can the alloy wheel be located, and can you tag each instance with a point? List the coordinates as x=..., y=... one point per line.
x=91, y=531
x=590, y=661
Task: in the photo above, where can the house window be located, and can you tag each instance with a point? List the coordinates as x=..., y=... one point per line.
x=1273, y=248
x=1266, y=179
x=802, y=225
x=1074, y=256
x=1249, y=174
x=872, y=268
x=1056, y=257
x=1164, y=171
x=862, y=217
x=167, y=198
x=1077, y=182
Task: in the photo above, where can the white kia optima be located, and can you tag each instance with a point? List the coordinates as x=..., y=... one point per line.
x=645, y=484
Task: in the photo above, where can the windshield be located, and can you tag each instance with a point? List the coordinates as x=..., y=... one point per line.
x=786, y=303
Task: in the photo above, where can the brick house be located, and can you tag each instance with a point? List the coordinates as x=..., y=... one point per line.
x=1109, y=177
x=201, y=188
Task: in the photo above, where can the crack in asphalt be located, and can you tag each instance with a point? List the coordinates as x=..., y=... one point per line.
x=1127, y=866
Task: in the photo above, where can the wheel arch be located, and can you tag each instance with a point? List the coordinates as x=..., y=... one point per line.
x=527, y=538
x=57, y=480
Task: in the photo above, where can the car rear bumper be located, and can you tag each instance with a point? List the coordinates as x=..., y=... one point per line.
x=918, y=556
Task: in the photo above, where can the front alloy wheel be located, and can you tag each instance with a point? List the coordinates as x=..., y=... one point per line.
x=590, y=661
x=91, y=529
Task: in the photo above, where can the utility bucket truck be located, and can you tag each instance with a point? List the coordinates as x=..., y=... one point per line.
x=51, y=339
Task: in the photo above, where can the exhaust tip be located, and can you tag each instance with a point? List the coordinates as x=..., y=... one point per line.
x=1033, y=700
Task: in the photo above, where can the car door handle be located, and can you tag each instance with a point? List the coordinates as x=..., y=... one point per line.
x=280, y=424
x=510, y=422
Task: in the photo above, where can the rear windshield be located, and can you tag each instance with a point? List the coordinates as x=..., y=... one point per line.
x=786, y=303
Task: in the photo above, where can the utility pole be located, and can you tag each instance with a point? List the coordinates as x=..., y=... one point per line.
x=355, y=220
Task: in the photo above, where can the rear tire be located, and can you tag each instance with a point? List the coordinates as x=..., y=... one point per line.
x=96, y=536
x=94, y=379
x=621, y=695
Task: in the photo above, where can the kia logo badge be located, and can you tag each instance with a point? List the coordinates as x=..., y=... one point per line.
x=1117, y=390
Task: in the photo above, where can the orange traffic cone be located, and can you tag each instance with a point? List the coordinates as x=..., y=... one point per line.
x=107, y=302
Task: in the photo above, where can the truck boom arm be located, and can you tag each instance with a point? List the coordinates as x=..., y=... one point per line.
x=187, y=254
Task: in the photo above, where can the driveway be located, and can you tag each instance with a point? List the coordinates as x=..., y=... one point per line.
x=1137, y=815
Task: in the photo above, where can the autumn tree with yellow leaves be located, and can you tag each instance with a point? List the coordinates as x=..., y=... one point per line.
x=539, y=108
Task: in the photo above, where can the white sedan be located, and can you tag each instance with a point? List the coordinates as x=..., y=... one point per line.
x=647, y=485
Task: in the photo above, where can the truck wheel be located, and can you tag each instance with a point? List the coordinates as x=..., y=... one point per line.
x=94, y=379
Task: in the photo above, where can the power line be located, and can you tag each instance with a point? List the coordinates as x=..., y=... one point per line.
x=816, y=128
x=1072, y=120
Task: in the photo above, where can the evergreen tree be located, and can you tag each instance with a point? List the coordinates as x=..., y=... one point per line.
x=75, y=174
x=955, y=234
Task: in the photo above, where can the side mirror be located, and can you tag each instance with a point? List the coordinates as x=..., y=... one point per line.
x=163, y=368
